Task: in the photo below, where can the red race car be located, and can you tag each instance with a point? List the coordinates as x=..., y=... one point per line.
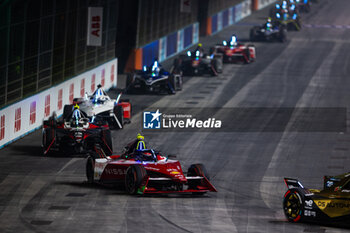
x=233, y=51
x=75, y=135
x=147, y=171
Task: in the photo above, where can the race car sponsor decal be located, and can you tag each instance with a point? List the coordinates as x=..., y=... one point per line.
x=308, y=203
x=157, y=120
x=309, y=213
x=115, y=171
x=334, y=208
x=100, y=165
x=152, y=168
x=240, y=119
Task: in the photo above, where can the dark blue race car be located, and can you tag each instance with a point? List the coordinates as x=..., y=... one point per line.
x=154, y=79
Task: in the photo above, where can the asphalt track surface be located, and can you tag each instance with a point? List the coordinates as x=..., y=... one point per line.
x=50, y=194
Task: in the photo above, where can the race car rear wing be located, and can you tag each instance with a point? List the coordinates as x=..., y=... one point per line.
x=293, y=183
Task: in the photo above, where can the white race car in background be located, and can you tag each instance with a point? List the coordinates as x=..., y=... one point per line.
x=116, y=112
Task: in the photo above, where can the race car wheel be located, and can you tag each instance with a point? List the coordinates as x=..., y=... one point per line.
x=134, y=179
x=246, y=56
x=90, y=170
x=67, y=111
x=197, y=170
x=251, y=58
x=119, y=113
x=293, y=205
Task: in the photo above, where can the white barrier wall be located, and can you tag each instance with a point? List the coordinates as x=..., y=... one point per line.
x=27, y=115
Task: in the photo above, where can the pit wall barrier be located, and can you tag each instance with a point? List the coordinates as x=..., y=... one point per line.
x=26, y=116
x=164, y=47
x=227, y=17
x=259, y=4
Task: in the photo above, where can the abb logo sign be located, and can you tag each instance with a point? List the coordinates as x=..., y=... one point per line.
x=94, y=31
x=32, y=114
x=96, y=25
x=47, y=105
x=112, y=74
x=17, y=119
x=2, y=127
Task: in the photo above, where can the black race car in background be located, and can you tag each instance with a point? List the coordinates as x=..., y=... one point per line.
x=198, y=63
x=287, y=15
x=328, y=206
x=270, y=31
x=154, y=79
x=76, y=135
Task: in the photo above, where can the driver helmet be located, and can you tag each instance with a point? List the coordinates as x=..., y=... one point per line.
x=233, y=40
x=76, y=112
x=284, y=4
x=140, y=137
x=99, y=94
x=155, y=67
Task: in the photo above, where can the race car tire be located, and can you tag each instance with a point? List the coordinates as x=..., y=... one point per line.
x=135, y=175
x=293, y=205
x=48, y=136
x=249, y=46
x=246, y=56
x=90, y=170
x=119, y=113
x=197, y=170
x=107, y=142
x=67, y=111
x=219, y=62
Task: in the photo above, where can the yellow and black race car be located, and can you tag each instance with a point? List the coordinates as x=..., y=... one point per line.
x=328, y=206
